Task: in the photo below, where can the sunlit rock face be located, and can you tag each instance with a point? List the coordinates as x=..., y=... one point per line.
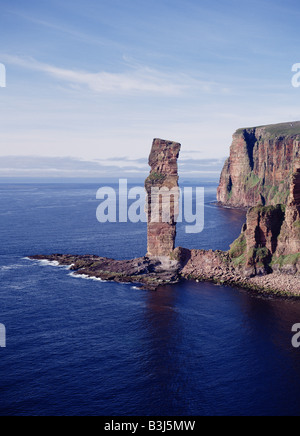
x=269, y=245
x=259, y=169
x=289, y=239
x=270, y=240
x=162, y=205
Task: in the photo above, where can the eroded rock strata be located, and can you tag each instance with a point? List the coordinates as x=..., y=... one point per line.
x=163, y=178
x=157, y=267
x=261, y=162
x=289, y=238
x=265, y=257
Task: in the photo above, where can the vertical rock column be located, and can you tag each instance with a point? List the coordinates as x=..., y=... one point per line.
x=163, y=178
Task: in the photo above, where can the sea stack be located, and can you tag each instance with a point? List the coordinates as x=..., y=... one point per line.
x=162, y=204
x=266, y=256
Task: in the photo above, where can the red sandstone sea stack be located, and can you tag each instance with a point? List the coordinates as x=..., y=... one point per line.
x=265, y=257
x=164, y=177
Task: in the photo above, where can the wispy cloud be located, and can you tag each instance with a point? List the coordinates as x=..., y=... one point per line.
x=138, y=78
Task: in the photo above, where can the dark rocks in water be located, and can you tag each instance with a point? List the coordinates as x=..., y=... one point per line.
x=156, y=268
x=150, y=273
x=269, y=242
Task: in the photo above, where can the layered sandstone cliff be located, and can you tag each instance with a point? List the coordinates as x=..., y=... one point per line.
x=266, y=256
x=162, y=197
x=270, y=240
x=261, y=162
x=289, y=239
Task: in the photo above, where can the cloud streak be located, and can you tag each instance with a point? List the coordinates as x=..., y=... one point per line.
x=138, y=79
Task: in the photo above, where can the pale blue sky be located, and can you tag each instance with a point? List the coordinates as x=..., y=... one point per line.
x=100, y=79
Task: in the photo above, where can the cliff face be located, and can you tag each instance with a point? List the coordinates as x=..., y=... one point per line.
x=289, y=238
x=270, y=240
x=261, y=162
x=163, y=176
x=253, y=251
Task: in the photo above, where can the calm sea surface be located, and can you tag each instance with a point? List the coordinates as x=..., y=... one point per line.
x=85, y=347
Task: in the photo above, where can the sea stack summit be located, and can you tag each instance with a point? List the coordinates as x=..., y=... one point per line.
x=163, y=179
x=264, y=170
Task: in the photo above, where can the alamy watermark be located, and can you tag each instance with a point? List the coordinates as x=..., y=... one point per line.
x=2, y=76
x=2, y=336
x=164, y=205
x=296, y=337
x=296, y=76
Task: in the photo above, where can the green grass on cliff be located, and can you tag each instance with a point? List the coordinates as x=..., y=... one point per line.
x=238, y=251
x=286, y=129
x=277, y=130
x=265, y=210
x=239, y=247
x=156, y=178
x=272, y=194
x=291, y=259
x=261, y=255
x=278, y=195
x=252, y=180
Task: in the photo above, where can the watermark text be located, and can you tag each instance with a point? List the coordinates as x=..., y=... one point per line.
x=2, y=76
x=296, y=76
x=296, y=337
x=164, y=205
x=2, y=336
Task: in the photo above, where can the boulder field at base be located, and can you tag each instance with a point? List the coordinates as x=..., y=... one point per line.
x=263, y=173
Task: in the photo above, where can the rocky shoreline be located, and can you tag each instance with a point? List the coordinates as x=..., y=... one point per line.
x=265, y=258
x=144, y=272
x=197, y=265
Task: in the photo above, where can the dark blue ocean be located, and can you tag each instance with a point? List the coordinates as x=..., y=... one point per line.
x=85, y=347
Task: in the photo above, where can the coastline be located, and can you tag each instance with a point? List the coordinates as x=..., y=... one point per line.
x=265, y=258
x=150, y=274
x=276, y=285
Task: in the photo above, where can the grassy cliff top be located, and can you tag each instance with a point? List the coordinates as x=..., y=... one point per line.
x=274, y=130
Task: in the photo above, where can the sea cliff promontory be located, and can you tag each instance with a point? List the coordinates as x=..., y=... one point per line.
x=263, y=172
x=261, y=163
